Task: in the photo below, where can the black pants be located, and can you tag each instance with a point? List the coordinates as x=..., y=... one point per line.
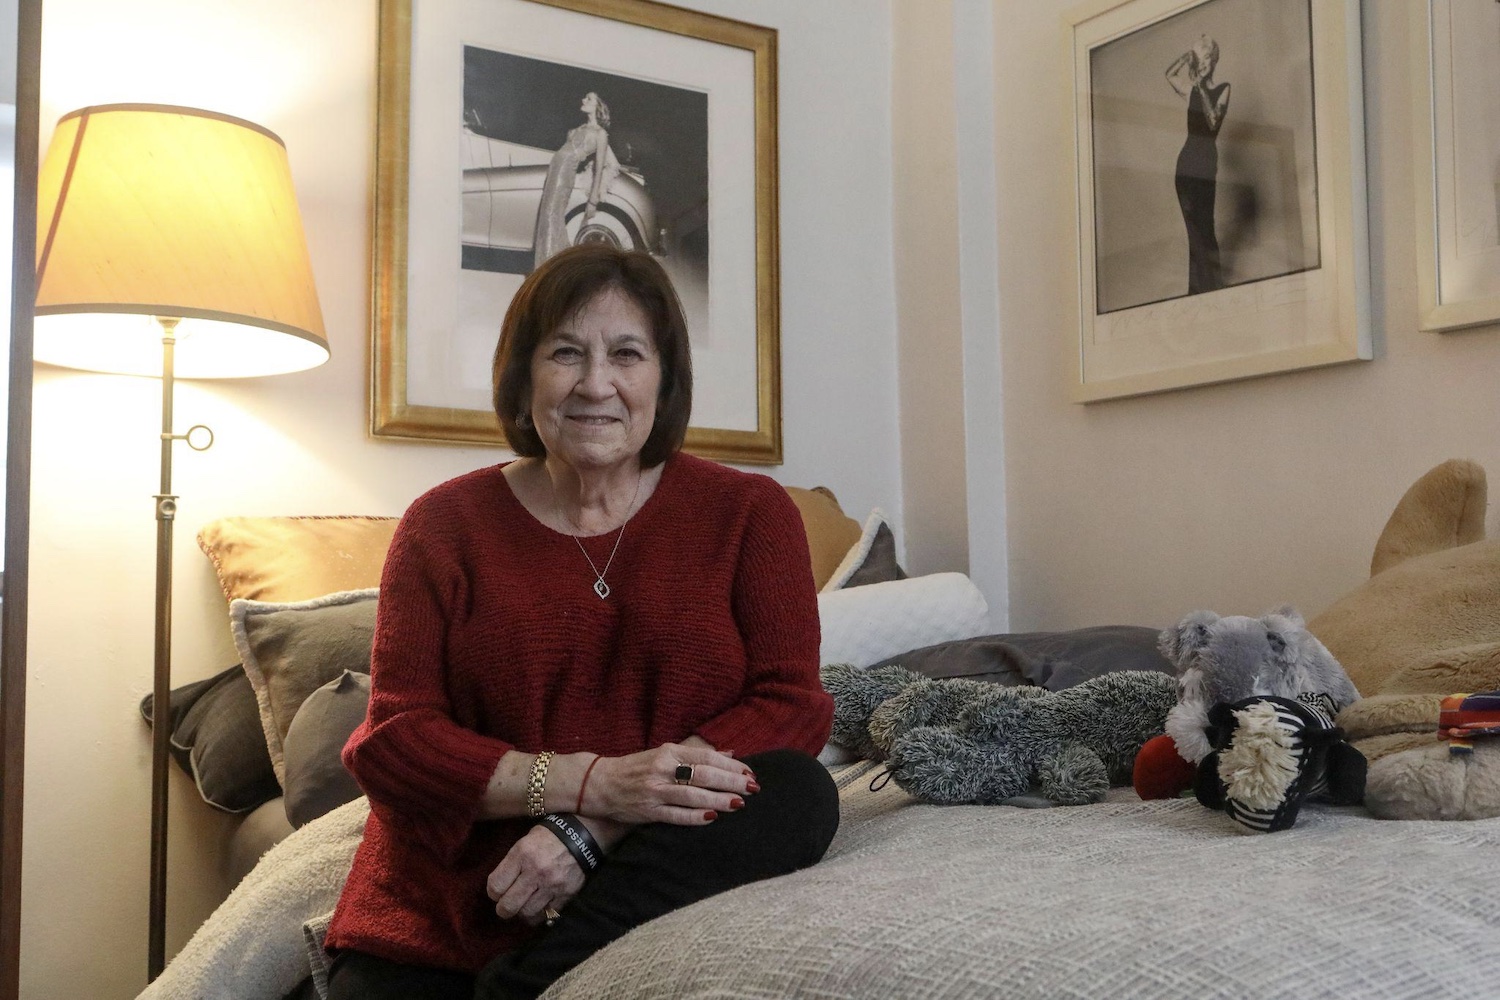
x=658, y=868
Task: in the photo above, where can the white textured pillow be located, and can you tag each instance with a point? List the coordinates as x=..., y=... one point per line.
x=864, y=625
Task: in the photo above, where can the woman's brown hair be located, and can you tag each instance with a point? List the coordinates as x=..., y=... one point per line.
x=551, y=295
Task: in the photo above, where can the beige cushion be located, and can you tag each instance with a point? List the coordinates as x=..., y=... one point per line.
x=260, y=831
x=280, y=559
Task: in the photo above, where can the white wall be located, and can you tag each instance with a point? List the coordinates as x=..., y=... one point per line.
x=296, y=444
x=929, y=310
x=10, y=12
x=952, y=454
x=1233, y=497
x=979, y=299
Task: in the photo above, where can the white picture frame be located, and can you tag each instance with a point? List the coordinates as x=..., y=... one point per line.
x=1456, y=140
x=1269, y=271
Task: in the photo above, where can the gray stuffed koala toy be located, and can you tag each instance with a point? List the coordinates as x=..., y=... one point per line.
x=957, y=741
x=1232, y=658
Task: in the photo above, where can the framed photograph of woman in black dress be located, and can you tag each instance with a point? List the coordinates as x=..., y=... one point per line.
x=508, y=130
x=1455, y=58
x=1220, y=191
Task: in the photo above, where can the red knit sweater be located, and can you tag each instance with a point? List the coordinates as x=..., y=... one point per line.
x=489, y=638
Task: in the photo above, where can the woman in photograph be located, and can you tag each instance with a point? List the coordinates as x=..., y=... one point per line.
x=594, y=691
x=588, y=142
x=1192, y=77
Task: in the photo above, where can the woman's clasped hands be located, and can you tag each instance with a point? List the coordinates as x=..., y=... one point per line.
x=679, y=783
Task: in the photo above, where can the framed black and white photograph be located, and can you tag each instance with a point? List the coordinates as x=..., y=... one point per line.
x=1220, y=192
x=1456, y=130
x=511, y=129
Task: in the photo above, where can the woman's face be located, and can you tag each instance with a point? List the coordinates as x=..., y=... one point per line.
x=1207, y=58
x=590, y=104
x=594, y=384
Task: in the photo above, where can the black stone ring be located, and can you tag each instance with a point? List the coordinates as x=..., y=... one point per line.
x=683, y=775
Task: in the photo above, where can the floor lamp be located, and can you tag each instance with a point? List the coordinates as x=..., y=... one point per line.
x=169, y=244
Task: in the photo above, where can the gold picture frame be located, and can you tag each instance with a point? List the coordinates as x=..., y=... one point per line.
x=737, y=363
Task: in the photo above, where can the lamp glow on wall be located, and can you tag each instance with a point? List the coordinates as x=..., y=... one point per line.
x=169, y=243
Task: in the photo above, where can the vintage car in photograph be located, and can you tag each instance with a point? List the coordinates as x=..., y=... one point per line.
x=502, y=189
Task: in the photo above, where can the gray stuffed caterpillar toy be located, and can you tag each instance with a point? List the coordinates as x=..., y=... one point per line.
x=957, y=741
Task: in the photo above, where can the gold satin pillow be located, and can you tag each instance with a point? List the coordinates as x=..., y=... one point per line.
x=830, y=532
x=284, y=559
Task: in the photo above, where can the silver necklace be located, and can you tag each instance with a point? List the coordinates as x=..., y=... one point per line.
x=600, y=587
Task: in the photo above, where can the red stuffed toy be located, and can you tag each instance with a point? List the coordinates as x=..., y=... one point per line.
x=1160, y=771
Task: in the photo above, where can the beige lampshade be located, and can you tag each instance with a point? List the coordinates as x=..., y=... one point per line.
x=148, y=210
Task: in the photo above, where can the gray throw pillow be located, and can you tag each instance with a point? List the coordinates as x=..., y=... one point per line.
x=316, y=780
x=879, y=565
x=870, y=560
x=217, y=739
x=1053, y=660
x=291, y=650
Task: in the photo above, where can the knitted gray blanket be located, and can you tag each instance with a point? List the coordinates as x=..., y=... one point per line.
x=1120, y=899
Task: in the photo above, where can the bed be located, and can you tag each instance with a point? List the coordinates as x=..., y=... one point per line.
x=1120, y=898
x=1123, y=898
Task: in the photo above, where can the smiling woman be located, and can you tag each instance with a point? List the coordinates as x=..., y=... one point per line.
x=652, y=697
x=594, y=384
x=556, y=302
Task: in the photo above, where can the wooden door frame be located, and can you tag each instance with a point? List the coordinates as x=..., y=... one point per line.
x=13, y=606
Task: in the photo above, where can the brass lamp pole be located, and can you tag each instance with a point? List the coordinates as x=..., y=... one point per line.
x=169, y=244
x=166, y=512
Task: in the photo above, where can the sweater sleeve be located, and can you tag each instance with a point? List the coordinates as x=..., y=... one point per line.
x=775, y=607
x=425, y=774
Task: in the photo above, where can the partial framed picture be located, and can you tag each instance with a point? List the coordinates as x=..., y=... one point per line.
x=510, y=129
x=1220, y=192
x=1456, y=130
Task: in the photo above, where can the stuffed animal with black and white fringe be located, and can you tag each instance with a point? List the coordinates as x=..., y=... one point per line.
x=1272, y=754
x=959, y=741
x=1228, y=659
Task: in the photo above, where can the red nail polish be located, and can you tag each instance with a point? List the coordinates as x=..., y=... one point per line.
x=710, y=815
x=736, y=803
x=752, y=786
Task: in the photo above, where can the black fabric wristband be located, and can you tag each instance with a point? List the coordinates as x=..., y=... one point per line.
x=576, y=838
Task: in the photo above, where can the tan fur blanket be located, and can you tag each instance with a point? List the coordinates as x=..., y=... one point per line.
x=1425, y=625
